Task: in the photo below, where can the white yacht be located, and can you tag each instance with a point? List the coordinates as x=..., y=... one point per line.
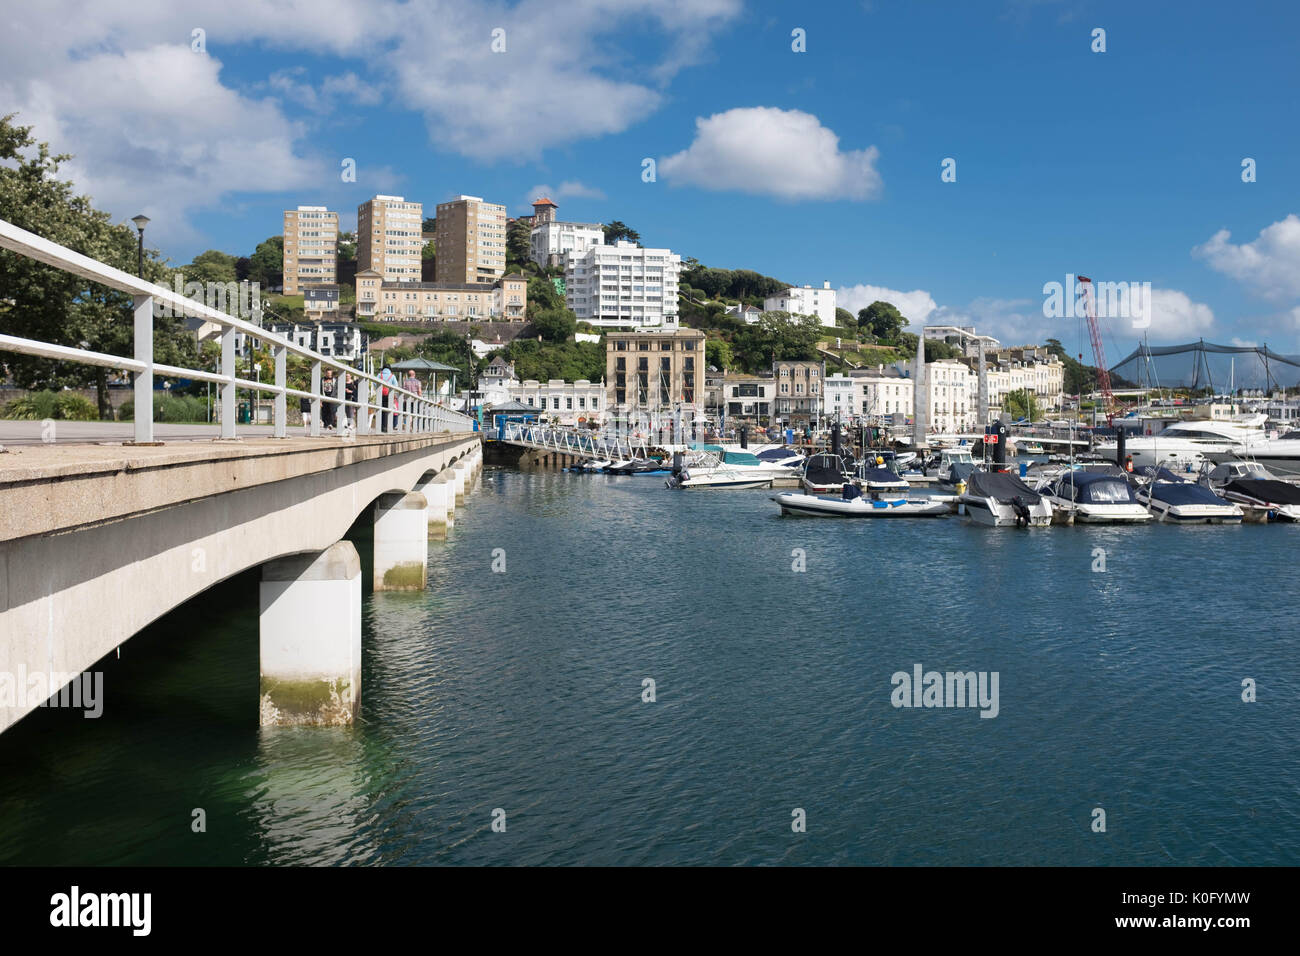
x=706, y=469
x=1185, y=446
x=1281, y=455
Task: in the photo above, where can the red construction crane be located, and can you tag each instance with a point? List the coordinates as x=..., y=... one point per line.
x=1098, y=353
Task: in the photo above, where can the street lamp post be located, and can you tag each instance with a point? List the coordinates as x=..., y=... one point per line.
x=140, y=222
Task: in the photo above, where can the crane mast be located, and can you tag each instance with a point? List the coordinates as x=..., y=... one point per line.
x=1098, y=352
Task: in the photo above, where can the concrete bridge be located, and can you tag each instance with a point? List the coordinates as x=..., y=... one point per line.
x=98, y=541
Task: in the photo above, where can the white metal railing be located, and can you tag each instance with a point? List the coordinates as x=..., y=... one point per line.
x=410, y=413
x=574, y=441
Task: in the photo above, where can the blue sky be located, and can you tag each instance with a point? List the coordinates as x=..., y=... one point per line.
x=820, y=165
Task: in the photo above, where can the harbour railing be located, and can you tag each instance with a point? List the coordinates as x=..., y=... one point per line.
x=410, y=413
x=573, y=441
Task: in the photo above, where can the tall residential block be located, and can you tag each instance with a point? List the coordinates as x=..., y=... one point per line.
x=388, y=238
x=471, y=240
x=311, y=246
x=623, y=286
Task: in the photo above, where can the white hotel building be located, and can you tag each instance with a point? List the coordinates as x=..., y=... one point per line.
x=805, y=301
x=881, y=396
x=623, y=287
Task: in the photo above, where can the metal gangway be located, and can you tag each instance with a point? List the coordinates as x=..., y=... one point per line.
x=574, y=441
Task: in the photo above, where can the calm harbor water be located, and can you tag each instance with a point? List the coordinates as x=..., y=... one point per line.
x=522, y=691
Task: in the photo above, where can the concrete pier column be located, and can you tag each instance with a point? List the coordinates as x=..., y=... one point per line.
x=442, y=499
x=401, y=542
x=310, y=632
x=458, y=471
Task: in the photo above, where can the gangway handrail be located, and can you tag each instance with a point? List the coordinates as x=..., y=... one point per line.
x=412, y=413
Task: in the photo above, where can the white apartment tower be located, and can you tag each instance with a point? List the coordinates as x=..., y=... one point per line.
x=388, y=238
x=623, y=286
x=311, y=246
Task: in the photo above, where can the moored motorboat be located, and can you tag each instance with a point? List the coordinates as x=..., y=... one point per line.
x=825, y=472
x=1097, y=497
x=1001, y=500
x=1250, y=485
x=1185, y=502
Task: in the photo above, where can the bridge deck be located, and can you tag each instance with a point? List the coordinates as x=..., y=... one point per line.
x=59, y=486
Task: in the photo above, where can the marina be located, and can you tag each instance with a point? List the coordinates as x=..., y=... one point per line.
x=773, y=691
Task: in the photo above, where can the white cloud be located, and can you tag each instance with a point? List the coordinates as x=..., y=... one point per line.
x=155, y=127
x=773, y=152
x=1174, y=316
x=916, y=306
x=564, y=76
x=569, y=189
x=1269, y=265
x=162, y=147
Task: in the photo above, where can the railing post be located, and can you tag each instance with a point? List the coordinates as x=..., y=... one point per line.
x=340, y=410
x=144, y=380
x=315, y=399
x=363, y=413
x=227, y=388
x=281, y=400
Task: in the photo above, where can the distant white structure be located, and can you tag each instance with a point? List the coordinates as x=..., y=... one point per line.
x=805, y=301
x=880, y=395
x=551, y=243
x=495, y=381
x=623, y=286
x=565, y=402
x=750, y=314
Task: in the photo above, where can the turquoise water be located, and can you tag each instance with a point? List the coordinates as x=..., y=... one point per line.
x=523, y=691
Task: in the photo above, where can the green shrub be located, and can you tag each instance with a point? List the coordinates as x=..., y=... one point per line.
x=39, y=406
x=169, y=408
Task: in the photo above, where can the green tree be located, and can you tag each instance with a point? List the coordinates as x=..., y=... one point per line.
x=883, y=320
x=430, y=225
x=1078, y=378
x=266, y=265
x=717, y=352
x=617, y=230
x=778, y=336
x=1022, y=403
x=555, y=325
x=347, y=246
x=845, y=319
x=41, y=302
x=211, y=266
x=542, y=297
x=429, y=250
x=936, y=350
x=518, y=243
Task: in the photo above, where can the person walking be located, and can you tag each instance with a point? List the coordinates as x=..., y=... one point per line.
x=412, y=384
x=388, y=380
x=327, y=408
x=350, y=393
x=304, y=406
